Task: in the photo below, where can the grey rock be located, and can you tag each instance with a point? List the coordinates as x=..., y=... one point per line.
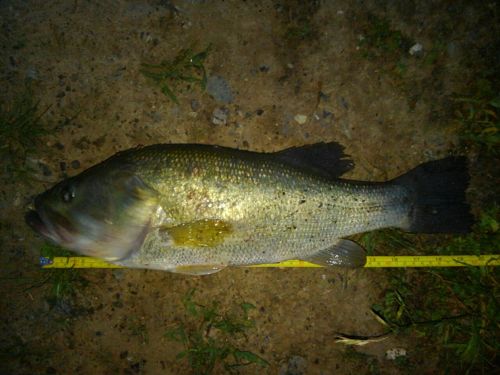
x=345, y=128
x=296, y=365
x=343, y=102
x=146, y=36
x=39, y=169
x=195, y=105
x=188, y=1
x=416, y=50
x=156, y=116
x=118, y=73
x=219, y=89
x=32, y=73
x=45, y=169
x=454, y=51
x=327, y=114
x=301, y=119
x=264, y=68
x=118, y=274
x=323, y=96
x=139, y=9
x=220, y=115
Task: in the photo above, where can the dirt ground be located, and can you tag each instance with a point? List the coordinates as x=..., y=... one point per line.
x=294, y=73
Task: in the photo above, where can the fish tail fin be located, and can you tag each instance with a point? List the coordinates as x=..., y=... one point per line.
x=438, y=196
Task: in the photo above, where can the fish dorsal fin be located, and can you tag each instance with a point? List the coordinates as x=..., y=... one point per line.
x=326, y=159
x=199, y=270
x=342, y=253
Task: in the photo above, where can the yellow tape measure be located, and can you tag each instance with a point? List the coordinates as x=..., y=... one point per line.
x=371, y=262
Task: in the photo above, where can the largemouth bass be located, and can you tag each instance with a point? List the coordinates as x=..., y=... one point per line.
x=196, y=208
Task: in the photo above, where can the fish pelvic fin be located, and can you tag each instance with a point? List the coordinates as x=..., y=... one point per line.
x=344, y=253
x=199, y=270
x=437, y=196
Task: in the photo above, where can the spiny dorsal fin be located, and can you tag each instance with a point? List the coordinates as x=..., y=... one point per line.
x=326, y=159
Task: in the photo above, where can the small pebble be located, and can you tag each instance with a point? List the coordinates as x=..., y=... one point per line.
x=324, y=96
x=301, y=119
x=195, y=105
x=39, y=169
x=17, y=200
x=343, y=102
x=156, y=116
x=45, y=169
x=219, y=89
x=75, y=164
x=219, y=116
x=32, y=73
x=259, y=112
x=136, y=367
x=118, y=274
x=264, y=68
x=146, y=36
x=416, y=50
x=453, y=50
x=392, y=354
x=295, y=365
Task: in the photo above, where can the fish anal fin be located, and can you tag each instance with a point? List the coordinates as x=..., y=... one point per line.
x=199, y=270
x=344, y=253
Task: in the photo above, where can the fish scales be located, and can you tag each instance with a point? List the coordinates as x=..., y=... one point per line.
x=277, y=212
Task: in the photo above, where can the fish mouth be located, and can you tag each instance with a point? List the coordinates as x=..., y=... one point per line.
x=34, y=220
x=45, y=223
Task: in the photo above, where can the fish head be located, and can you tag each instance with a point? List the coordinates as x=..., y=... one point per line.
x=102, y=213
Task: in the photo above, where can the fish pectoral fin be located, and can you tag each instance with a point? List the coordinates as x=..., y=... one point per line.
x=342, y=253
x=199, y=270
x=200, y=233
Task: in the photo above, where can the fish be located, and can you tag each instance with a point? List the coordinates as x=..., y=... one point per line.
x=197, y=209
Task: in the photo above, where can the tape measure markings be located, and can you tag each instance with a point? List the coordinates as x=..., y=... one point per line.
x=371, y=262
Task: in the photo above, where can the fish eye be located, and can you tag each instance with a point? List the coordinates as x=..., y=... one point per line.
x=68, y=193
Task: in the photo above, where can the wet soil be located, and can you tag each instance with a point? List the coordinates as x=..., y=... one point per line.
x=295, y=73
